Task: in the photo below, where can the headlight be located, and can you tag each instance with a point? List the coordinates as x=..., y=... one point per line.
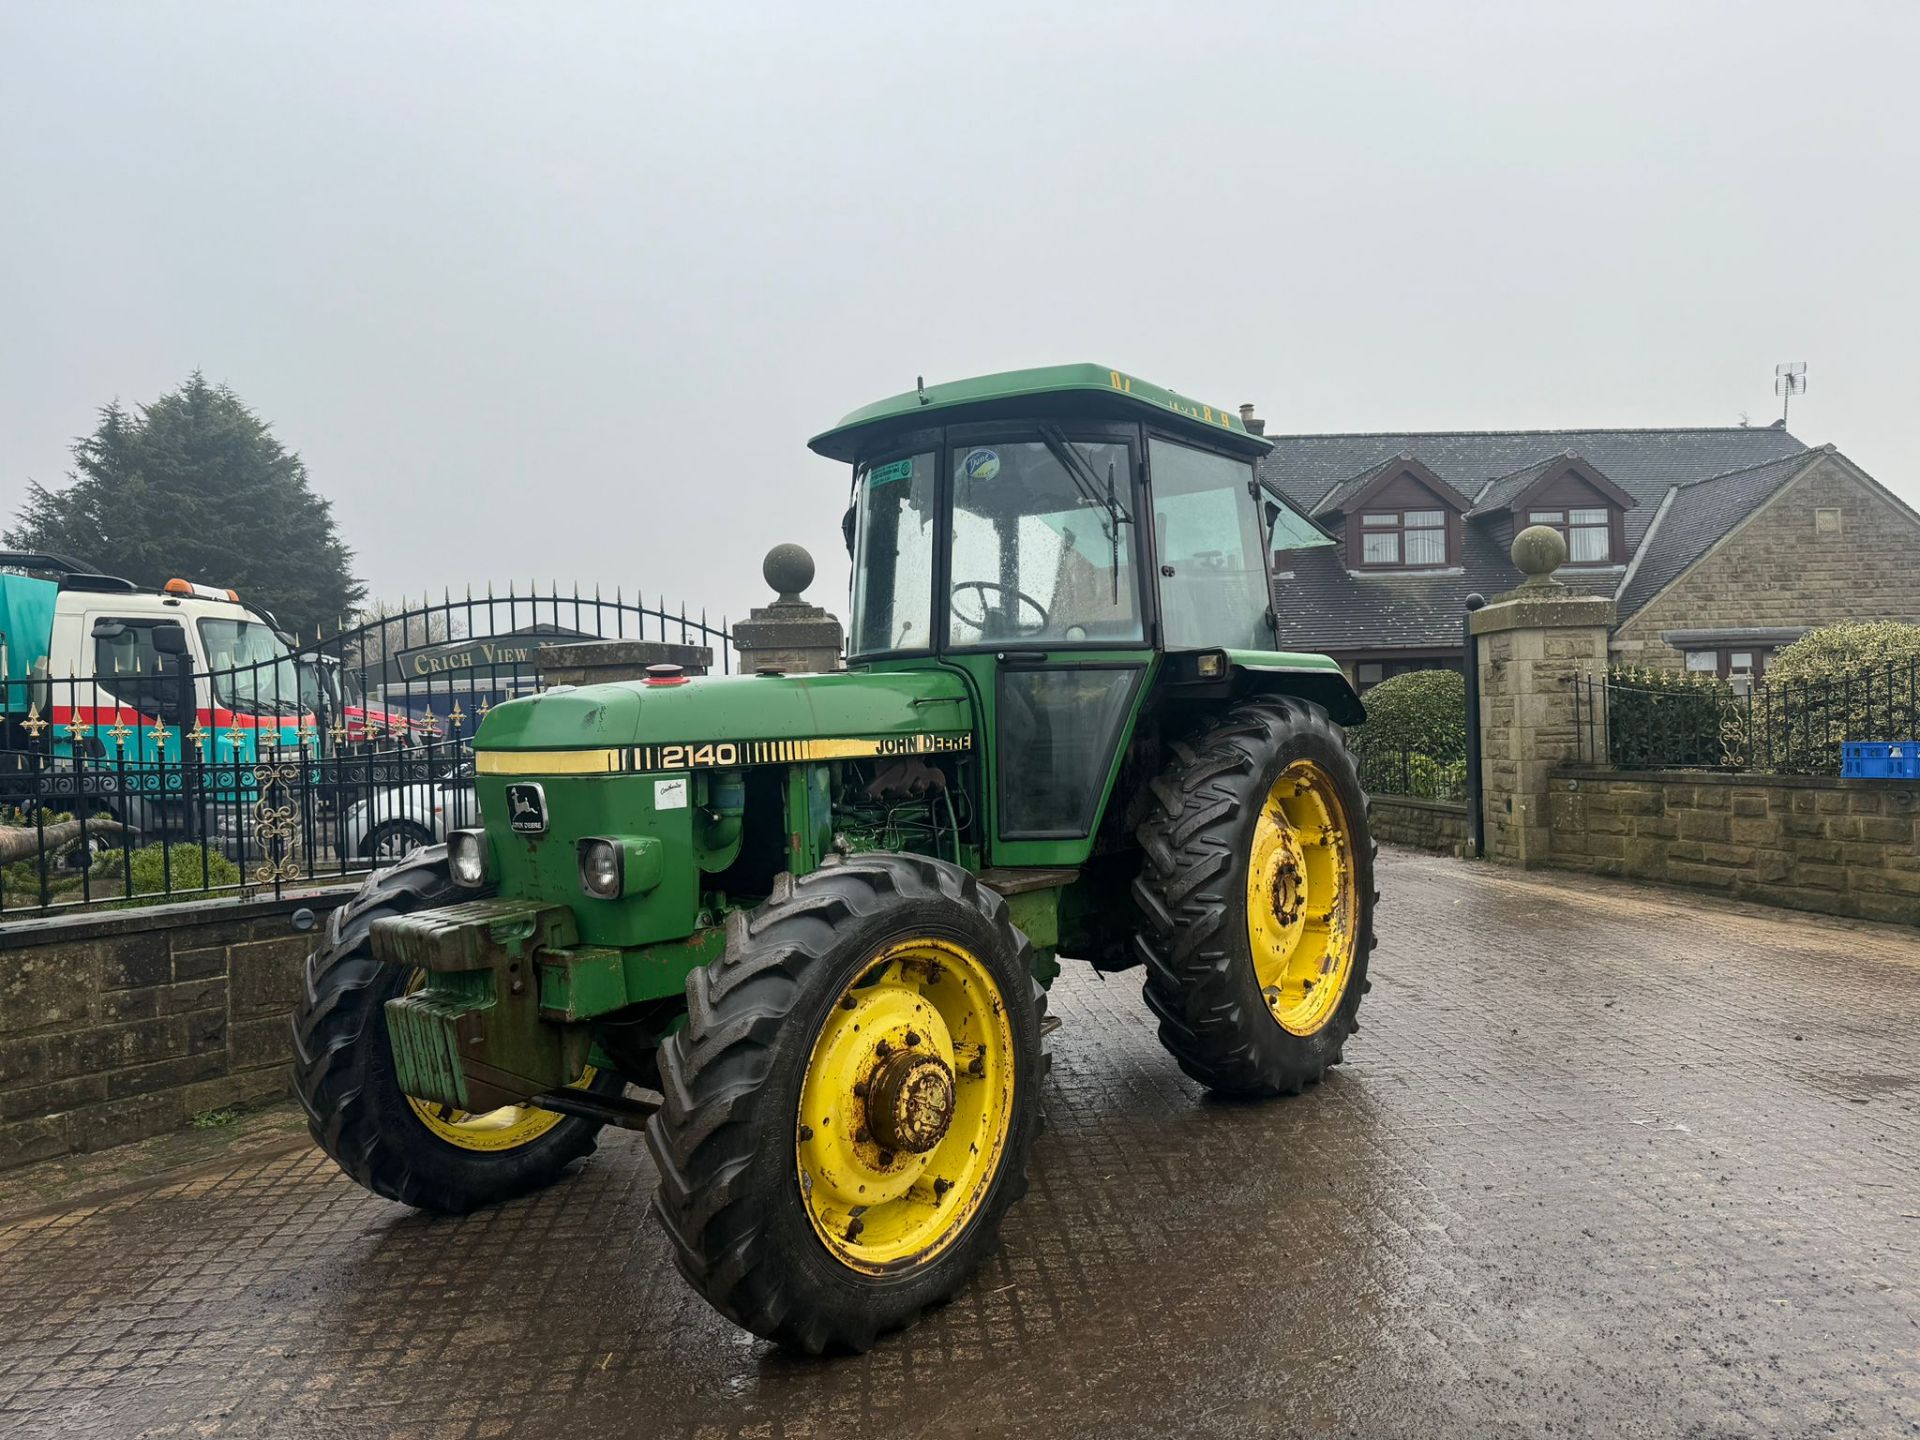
x=467, y=856
x=602, y=863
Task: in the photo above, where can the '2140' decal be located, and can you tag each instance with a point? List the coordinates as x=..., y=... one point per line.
x=724, y=754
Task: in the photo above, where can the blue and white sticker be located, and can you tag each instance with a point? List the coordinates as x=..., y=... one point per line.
x=981, y=464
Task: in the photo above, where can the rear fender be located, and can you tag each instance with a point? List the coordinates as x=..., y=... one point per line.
x=1231, y=674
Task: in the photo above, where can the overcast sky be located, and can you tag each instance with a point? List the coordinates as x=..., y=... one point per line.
x=561, y=291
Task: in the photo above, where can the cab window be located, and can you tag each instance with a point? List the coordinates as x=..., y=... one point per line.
x=894, y=507
x=128, y=667
x=1043, y=544
x=1213, y=576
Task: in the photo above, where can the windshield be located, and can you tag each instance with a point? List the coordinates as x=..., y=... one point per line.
x=1042, y=544
x=1213, y=577
x=250, y=667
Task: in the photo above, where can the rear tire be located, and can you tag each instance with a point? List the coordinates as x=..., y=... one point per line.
x=768, y=1048
x=343, y=1068
x=1210, y=883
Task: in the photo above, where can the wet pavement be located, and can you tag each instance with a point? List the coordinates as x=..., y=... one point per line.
x=1606, y=1160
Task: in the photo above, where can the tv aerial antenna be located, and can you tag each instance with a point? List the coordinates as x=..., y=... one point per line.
x=1789, y=380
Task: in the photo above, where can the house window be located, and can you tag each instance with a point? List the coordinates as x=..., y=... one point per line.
x=1588, y=533
x=1403, y=537
x=1740, y=666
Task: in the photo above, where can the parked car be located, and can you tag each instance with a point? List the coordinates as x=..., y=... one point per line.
x=387, y=825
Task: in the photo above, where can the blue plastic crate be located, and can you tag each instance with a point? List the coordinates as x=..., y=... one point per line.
x=1880, y=759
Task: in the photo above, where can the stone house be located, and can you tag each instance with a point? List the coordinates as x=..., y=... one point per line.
x=1716, y=545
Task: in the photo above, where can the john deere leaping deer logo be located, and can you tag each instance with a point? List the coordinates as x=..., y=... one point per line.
x=526, y=809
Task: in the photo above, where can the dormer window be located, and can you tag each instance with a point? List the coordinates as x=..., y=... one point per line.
x=1403, y=538
x=1588, y=533
x=1398, y=515
x=1564, y=493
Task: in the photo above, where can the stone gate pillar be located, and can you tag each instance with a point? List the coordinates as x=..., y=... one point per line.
x=789, y=636
x=1534, y=641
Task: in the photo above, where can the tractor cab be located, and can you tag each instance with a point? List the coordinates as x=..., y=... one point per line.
x=1061, y=536
x=1068, y=507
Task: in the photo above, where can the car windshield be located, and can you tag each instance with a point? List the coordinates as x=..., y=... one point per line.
x=250, y=667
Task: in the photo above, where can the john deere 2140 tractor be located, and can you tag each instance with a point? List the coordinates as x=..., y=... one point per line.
x=800, y=927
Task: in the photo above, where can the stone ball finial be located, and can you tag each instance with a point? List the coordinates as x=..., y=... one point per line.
x=1537, y=552
x=789, y=570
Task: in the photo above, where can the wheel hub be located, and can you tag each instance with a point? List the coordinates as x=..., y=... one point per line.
x=910, y=1102
x=1289, y=889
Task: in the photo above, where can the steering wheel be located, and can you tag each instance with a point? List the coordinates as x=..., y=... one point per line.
x=1020, y=597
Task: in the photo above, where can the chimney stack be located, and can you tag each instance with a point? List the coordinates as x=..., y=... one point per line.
x=1255, y=425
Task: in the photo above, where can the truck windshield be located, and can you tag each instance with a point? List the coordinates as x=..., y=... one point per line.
x=1213, y=578
x=250, y=668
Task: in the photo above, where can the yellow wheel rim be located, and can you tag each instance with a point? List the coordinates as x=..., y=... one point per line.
x=507, y=1128
x=906, y=1105
x=1301, y=899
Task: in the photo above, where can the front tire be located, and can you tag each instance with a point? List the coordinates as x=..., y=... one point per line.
x=850, y=1108
x=1256, y=899
x=408, y=1150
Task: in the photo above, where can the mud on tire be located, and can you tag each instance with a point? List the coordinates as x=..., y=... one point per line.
x=343, y=1068
x=1192, y=896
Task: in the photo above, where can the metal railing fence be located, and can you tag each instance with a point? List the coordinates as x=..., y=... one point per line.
x=158, y=775
x=1652, y=720
x=1412, y=775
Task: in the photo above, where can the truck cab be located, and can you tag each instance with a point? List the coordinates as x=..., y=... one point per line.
x=98, y=670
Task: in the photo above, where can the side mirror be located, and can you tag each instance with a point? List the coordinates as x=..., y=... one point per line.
x=1272, y=509
x=169, y=639
x=846, y=530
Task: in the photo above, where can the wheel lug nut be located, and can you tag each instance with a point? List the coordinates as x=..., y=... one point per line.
x=940, y=1188
x=847, y=1002
x=886, y=1158
x=860, y=1136
x=883, y=1049
x=913, y=1038
x=806, y=1132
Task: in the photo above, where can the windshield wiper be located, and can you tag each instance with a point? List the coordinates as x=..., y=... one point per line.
x=1088, y=484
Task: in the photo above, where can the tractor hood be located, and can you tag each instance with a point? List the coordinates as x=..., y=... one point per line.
x=729, y=708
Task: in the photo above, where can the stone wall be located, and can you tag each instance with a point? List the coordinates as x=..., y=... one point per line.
x=1830, y=546
x=119, y=1026
x=1842, y=847
x=1439, y=825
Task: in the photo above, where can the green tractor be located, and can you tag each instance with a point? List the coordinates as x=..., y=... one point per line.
x=800, y=927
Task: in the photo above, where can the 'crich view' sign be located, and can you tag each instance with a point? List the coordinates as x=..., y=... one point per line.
x=483, y=657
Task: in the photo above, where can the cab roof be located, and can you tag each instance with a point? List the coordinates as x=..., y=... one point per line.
x=1050, y=390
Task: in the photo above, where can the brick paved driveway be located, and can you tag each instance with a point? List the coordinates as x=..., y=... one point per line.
x=1605, y=1161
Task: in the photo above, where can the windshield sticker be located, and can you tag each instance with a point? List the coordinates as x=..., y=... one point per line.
x=981, y=464
x=887, y=474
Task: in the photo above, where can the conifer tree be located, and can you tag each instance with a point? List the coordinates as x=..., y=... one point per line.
x=195, y=485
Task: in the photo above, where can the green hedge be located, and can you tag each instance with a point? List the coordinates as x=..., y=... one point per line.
x=1851, y=648
x=1414, y=741
x=1423, y=712
x=1853, y=681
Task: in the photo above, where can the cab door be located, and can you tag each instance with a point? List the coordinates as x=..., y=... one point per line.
x=1046, y=612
